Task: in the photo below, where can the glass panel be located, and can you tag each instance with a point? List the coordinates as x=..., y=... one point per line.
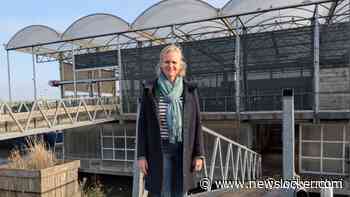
x=130, y=143
x=107, y=142
x=120, y=154
x=347, y=154
x=130, y=131
x=335, y=166
x=119, y=132
x=106, y=132
x=347, y=167
x=119, y=142
x=311, y=132
x=131, y=155
x=333, y=132
x=310, y=165
x=311, y=149
x=107, y=154
x=333, y=150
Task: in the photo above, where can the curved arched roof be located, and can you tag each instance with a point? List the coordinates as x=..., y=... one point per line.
x=168, y=12
x=32, y=35
x=244, y=6
x=174, y=11
x=96, y=24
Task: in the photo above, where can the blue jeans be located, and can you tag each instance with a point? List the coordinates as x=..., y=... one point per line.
x=172, y=162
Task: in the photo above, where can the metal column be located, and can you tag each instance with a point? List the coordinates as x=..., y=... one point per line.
x=327, y=192
x=288, y=136
x=34, y=74
x=121, y=77
x=138, y=185
x=237, y=68
x=74, y=72
x=316, y=63
x=61, y=64
x=9, y=76
x=99, y=71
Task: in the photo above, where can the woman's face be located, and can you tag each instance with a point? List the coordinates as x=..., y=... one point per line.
x=171, y=65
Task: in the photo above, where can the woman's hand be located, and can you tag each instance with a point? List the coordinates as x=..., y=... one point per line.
x=143, y=165
x=197, y=164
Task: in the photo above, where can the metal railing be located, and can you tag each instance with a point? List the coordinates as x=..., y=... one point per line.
x=31, y=115
x=229, y=160
x=241, y=163
x=264, y=102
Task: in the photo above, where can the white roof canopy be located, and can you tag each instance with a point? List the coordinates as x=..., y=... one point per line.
x=179, y=17
x=267, y=19
x=93, y=25
x=32, y=35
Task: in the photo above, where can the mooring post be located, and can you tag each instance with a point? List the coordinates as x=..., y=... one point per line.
x=288, y=137
x=327, y=192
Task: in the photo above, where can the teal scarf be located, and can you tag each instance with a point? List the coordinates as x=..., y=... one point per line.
x=172, y=94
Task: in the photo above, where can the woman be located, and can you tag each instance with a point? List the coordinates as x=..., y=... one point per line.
x=170, y=142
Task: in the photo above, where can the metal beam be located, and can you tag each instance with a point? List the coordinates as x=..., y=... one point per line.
x=229, y=26
x=150, y=37
x=121, y=77
x=60, y=83
x=288, y=137
x=331, y=11
x=74, y=72
x=316, y=48
x=238, y=70
x=34, y=74
x=9, y=76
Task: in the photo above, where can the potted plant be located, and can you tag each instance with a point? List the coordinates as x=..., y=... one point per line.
x=37, y=173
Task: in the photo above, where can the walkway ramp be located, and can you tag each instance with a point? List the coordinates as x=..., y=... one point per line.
x=225, y=159
x=26, y=118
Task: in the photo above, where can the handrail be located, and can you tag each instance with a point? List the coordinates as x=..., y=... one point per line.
x=244, y=160
x=25, y=116
x=248, y=160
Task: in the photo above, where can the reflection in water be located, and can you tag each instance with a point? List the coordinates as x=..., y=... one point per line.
x=114, y=186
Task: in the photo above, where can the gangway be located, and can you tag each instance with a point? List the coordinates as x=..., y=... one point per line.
x=225, y=159
x=26, y=118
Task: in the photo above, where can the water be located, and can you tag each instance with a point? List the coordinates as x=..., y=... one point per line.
x=114, y=186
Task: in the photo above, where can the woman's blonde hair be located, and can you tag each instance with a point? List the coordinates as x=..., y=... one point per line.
x=172, y=48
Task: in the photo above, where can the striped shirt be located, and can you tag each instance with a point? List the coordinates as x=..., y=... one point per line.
x=162, y=107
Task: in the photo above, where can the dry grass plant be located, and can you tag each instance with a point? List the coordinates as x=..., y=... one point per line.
x=36, y=156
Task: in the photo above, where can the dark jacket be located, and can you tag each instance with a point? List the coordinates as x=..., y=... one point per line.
x=148, y=142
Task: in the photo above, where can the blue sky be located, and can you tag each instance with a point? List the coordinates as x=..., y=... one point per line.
x=16, y=14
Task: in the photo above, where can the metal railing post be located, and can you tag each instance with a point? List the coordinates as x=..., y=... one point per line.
x=237, y=68
x=9, y=76
x=74, y=72
x=34, y=74
x=138, y=189
x=121, y=77
x=327, y=192
x=288, y=137
x=316, y=62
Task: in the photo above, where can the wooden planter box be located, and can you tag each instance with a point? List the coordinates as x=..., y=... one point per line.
x=57, y=181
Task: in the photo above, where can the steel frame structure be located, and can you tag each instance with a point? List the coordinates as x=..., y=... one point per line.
x=40, y=116
x=231, y=25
